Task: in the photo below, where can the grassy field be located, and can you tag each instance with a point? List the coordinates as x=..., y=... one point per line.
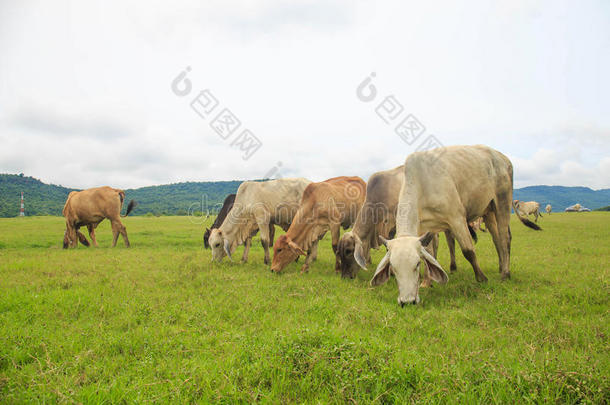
x=160, y=323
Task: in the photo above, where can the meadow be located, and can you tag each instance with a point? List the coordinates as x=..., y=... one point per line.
x=161, y=323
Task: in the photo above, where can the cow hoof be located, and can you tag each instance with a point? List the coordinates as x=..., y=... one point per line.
x=505, y=276
x=305, y=269
x=453, y=267
x=481, y=278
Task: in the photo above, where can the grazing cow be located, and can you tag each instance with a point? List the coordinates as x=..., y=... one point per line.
x=327, y=205
x=574, y=208
x=526, y=208
x=377, y=217
x=445, y=189
x=226, y=207
x=258, y=205
x=548, y=209
x=89, y=208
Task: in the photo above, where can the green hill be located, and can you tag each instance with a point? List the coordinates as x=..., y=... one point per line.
x=561, y=197
x=170, y=199
x=182, y=198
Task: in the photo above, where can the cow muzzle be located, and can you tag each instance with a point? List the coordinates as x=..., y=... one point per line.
x=404, y=301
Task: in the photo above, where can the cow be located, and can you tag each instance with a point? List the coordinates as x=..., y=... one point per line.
x=258, y=205
x=526, y=208
x=222, y=214
x=327, y=205
x=445, y=189
x=548, y=209
x=574, y=208
x=89, y=208
x=377, y=217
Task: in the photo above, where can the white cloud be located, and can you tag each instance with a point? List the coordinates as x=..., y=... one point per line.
x=85, y=94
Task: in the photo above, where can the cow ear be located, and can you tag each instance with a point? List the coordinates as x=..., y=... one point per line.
x=382, y=274
x=296, y=248
x=434, y=268
x=227, y=248
x=359, y=254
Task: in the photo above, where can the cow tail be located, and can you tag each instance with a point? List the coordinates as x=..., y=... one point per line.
x=132, y=204
x=528, y=223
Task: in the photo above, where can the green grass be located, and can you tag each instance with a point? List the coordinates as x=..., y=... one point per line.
x=160, y=323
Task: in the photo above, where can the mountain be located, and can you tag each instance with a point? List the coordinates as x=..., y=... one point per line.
x=169, y=199
x=561, y=197
x=182, y=198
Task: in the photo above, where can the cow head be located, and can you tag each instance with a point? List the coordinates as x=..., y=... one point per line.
x=403, y=258
x=206, y=238
x=70, y=236
x=285, y=250
x=220, y=245
x=351, y=256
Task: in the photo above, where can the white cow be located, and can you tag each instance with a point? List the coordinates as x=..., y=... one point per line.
x=527, y=208
x=548, y=209
x=257, y=205
x=445, y=189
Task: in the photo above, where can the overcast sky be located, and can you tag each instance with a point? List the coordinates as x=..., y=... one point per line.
x=86, y=93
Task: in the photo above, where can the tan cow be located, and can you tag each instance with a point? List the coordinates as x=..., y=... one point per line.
x=526, y=208
x=548, y=209
x=257, y=205
x=445, y=189
x=89, y=208
x=327, y=205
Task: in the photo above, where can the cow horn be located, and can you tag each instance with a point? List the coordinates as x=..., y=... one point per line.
x=228, y=249
x=384, y=241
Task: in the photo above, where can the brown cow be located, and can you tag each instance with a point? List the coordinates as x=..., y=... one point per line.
x=329, y=204
x=89, y=208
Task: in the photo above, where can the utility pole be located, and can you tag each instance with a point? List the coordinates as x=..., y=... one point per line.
x=22, y=210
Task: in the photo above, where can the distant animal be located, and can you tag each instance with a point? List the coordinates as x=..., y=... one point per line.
x=327, y=205
x=548, y=209
x=222, y=214
x=89, y=208
x=258, y=205
x=574, y=208
x=527, y=208
x=445, y=189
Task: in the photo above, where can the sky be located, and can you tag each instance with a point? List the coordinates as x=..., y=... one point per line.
x=91, y=92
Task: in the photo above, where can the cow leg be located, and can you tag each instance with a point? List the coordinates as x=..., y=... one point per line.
x=264, y=230
x=451, y=246
x=244, y=257
x=335, y=232
x=314, y=251
x=309, y=258
x=462, y=234
x=271, y=234
x=119, y=228
x=91, y=229
x=498, y=223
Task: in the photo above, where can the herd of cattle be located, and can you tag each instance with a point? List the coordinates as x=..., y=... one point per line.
x=451, y=189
